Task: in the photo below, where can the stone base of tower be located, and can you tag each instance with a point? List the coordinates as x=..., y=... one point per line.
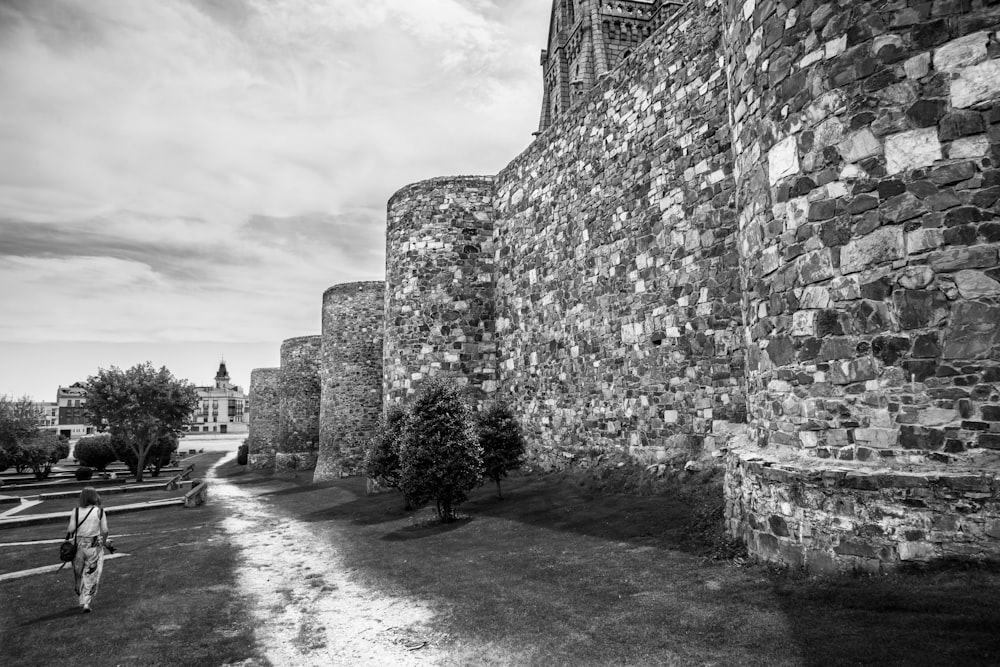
x=826, y=517
x=261, y=460
x=284, y=461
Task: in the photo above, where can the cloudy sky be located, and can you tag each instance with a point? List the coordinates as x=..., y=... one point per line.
x=181, y=179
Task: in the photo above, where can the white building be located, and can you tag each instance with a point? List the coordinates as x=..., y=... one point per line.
x=48, y=415
x=221, y=409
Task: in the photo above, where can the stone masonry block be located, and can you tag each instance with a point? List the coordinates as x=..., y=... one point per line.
x=911, y=150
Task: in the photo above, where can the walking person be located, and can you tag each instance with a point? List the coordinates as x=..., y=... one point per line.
x=90, y=526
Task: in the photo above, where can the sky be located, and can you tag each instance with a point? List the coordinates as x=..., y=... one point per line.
x=180, y=180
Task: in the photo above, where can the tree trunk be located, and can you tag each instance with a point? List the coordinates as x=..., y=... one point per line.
x=140, y=457
x=499, y=494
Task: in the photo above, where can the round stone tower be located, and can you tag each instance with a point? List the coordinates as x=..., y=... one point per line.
x=439, y=298
x=262, y=439
x=298, y=414
x=350, y=374
x=867, y=189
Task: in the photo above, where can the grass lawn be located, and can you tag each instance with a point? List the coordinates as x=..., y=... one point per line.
x=171, y=602
x=557, y=574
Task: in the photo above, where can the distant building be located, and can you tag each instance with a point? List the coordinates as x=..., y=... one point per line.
x=48, y=417
x=71, y=403
x=222, y=408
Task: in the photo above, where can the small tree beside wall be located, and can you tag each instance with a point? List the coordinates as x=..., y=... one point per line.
x=502, y=442
x=440, y=457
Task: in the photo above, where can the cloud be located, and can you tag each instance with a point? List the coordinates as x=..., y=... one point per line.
x=224, y=110
x=180, y=170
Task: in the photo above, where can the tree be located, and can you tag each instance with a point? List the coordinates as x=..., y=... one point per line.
x=439, y=453
x=18, y=425
x=157, y=457
x=95, y=451
x=501, y=440
x=139, y=407
x=41, y=450
x=382, y=451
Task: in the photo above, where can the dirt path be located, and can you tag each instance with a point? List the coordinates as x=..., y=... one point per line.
x=306, y=610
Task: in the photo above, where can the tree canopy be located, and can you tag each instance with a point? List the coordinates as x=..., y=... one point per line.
x=439, y=453
x=139, y=407
x=23, y=444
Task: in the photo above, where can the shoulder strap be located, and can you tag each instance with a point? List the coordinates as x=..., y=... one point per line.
x=76, y=524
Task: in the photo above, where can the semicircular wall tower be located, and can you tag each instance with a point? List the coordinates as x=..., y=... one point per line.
x=350, y=375
x=262, y=438
x=299, y=401
x=866, y=147
x=439, y=317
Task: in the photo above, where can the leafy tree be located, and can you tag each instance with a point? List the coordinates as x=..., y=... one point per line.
x=18, y=425
x=41, y=450
x=140, y=407
x=501, y=440
x=95, y=451
x=158, y=456
x=382, y=451
x=439, y=453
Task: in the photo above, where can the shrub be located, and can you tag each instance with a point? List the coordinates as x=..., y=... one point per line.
x=439, y=453
x=41, y=450
x=501, y=440
x=382, y=451
x=84, y=473
x=95, y=451
x=242, y=453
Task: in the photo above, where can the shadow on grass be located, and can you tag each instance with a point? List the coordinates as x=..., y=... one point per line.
x=658, y=521
x=307, y=488
x=363, y=510
x=424, y=529
x=65, y=613
x=940, y=618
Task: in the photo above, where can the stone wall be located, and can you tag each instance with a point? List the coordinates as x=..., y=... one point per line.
x=439, y=294
x=299, y=401
x=350, y=374
x=617, y=273
x=867, y=188
x=262, y=439
x=849, y=516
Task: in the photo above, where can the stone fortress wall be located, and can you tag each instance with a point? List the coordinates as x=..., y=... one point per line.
x=768, y=235
x=262, y=438
x=439, y=286
x=298, y=404
x=617, y=274
x=867, y=186
x=350, y=375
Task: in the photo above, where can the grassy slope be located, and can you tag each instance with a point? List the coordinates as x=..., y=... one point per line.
x=172, y=602
x=557, y=575
x=554, y=574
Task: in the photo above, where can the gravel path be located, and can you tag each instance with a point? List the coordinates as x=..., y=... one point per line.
x=306, y=609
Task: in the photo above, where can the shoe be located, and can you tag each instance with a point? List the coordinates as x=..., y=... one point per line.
x=86, y=609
